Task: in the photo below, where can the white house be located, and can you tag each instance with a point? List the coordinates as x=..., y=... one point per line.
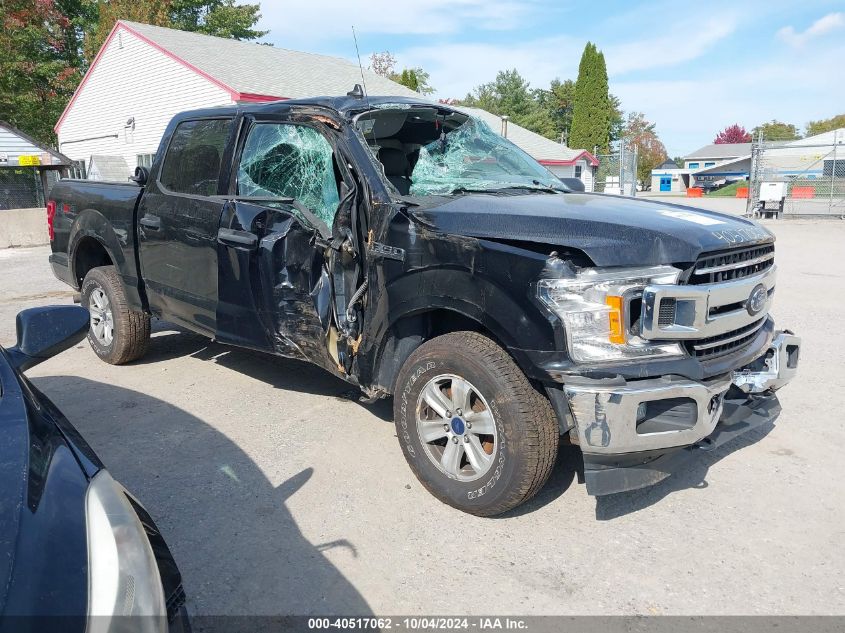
x=718, y=162
x=143, y=75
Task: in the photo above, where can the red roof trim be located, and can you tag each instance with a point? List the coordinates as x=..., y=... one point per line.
x=585, y=155
x=234, y=94
x=85, y=78
x=256, y=98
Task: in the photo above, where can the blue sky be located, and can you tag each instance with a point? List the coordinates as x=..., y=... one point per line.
x=692, y=68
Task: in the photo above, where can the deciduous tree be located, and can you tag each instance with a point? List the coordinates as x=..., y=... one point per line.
x=510, y=95
x=776, y=131
x=37, y=73
x=414, y=78
x=383, y=63
x=825, y=125
x=732, y=134
x=651, y=153
x=221, y=18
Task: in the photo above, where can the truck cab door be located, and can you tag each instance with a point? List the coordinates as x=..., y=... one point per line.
x=178, y=221
x=275, y=241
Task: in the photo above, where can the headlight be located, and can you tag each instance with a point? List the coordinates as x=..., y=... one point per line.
x=595, y=307
x=123, y=578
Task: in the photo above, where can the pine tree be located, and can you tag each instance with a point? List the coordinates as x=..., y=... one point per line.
x=592, y=110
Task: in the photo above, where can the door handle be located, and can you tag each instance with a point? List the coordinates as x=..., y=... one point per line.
x=152, y=222
x=232, y=237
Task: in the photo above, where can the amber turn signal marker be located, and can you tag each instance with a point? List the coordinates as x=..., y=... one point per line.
x=617, y=332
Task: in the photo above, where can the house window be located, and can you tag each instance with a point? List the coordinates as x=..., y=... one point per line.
x=577, y=171
x=693, y=165
x=709, y=164
x=145, y=160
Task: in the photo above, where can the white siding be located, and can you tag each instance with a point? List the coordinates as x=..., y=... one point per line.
x=14, y=146
x=132, y=79
x=562, y=171
x=568, y=171
x=587, y=174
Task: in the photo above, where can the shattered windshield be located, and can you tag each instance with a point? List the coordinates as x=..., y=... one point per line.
x=290, y=161
x=474, y=157
x=427, y=151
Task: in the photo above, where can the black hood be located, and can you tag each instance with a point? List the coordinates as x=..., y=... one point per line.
x=43, y=481
x=610, y=230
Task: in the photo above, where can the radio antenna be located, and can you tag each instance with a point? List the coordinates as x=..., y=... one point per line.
x=361, y=67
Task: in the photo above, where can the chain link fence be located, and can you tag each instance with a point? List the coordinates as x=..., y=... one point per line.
x=21, y=187
x=617, y=172
x=798, y=178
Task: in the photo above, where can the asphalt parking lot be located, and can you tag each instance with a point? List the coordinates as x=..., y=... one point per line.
x=280, y=494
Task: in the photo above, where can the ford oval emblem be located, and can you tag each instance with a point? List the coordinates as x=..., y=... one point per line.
x=757, y=300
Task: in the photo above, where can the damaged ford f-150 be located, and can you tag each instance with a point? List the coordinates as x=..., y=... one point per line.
x=407, y=248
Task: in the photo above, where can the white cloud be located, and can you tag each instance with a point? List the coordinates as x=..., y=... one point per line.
x=689, y=113
x=319, y=20
x=457, y=68
x=679, y=43
x=823, y=25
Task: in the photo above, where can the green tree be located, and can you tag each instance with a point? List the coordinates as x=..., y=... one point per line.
x=776, y=131
x=651, y=153
x=221, y=18
x=511, y=95
x=825, y=125
x=156, y=12
x=414, y=78
x=37, y=73
x=593, y=110
x=557, y=102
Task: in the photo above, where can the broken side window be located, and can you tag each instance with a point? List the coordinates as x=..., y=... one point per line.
x=290, y=161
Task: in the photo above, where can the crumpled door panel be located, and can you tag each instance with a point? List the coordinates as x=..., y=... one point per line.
x=294, y=283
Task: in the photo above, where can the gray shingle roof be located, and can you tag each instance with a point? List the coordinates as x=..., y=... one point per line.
x=537, y=146
x=104, y=167
x=721, y=150
x=267, y=70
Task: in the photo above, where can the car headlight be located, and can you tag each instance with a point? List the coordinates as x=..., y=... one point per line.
x=598, y=307
x=123, y=578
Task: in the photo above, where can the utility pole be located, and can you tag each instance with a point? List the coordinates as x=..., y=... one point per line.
x=832, y=174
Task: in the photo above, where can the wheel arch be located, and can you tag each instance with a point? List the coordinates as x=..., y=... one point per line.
x=88, y=253
x=413, y=328
x=93, y=243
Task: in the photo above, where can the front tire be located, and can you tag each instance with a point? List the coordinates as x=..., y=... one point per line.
x=117, y=334
x=473, y=429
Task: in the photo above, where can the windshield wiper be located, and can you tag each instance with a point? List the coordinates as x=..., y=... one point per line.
x=493, y=190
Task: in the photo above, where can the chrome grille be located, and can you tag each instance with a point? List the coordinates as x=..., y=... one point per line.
x=733, y=264
x=714, y=346
x=666, y=315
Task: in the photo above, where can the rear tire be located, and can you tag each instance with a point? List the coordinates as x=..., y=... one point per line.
x=473, y=429
x=117, y=334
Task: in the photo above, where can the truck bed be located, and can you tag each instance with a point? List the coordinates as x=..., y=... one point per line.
x=101, y=212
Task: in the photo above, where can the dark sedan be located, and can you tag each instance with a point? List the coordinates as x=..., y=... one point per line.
x=77, y=551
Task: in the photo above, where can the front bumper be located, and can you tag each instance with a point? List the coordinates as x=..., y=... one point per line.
x=632, y=433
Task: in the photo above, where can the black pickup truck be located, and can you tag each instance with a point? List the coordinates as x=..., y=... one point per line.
x=405, y=247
